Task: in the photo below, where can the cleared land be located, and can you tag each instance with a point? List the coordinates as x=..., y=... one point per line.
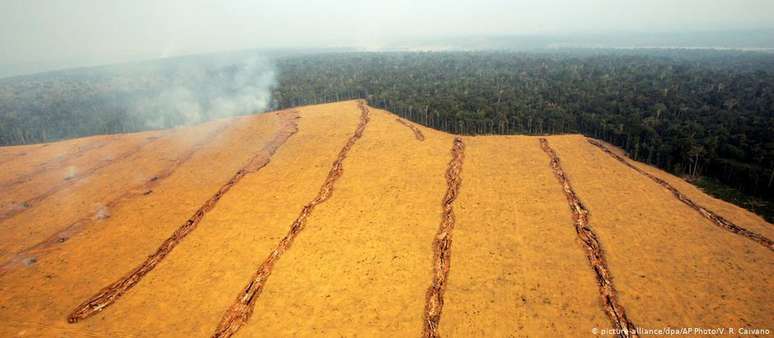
x=378, y=254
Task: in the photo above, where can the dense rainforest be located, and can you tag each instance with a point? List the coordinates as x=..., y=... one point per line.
x=702, y=114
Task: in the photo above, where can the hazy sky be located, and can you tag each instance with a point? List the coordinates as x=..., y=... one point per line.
x=62, y=33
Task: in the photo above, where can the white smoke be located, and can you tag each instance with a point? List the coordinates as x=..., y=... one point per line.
x=102, y=212
x=249, y=88
x=200, y=90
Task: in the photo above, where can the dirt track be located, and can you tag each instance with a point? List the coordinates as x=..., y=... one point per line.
x=10, y=157
x=442, y=243
x=706, y=213
x=417, y=133
x=77, y=226
x=47, y=154
x=241, y=310
x=113, y=292
x=615, y=311
x=53, y=163
x=31, y=202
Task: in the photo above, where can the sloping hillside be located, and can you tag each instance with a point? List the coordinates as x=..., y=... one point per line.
x=343, y=220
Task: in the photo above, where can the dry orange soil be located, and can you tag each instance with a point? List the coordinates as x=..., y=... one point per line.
x=342, y=220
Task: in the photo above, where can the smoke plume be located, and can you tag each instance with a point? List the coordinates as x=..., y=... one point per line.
x=192, y=92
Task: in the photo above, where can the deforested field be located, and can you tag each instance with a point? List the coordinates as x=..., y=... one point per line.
x=343, y=220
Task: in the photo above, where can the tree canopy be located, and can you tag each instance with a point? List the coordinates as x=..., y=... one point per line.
x=695, y=113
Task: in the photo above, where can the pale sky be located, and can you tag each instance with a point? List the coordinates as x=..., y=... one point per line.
x=65, y=33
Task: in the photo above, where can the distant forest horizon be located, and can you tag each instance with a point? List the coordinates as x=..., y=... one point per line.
x=758, y=39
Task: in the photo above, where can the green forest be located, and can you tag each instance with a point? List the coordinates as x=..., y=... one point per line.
x=704, y=115
x=698, y=114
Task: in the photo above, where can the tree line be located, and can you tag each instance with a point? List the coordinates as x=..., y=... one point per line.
x=695, y=113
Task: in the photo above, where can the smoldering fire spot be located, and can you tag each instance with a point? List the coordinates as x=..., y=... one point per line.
x=70, y=172
x=102, y=212
x=29, y=261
